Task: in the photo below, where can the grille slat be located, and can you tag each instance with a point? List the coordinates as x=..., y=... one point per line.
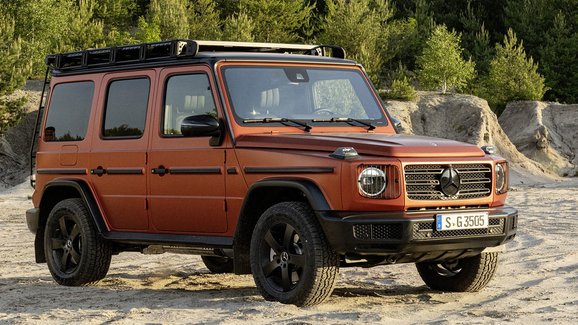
x=422, y=181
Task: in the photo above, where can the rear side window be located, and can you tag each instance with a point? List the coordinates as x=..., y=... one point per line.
x=126, y=108
x=69, y=111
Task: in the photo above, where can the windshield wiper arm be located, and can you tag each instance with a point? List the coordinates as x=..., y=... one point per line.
x=306, y=127
x=348, y=120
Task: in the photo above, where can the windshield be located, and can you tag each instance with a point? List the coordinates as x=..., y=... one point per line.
x=318, y=96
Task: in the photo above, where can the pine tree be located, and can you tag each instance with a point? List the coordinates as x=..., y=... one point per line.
x=512, y=76
x=14, y=70
x=204, y=20
x=441, y=65
x=239, y=27
x=282, y=21
x=559, y=60
x=41, y=24
x=172, y=18
x=360, y=28
x=83, y=30
x=475, y=39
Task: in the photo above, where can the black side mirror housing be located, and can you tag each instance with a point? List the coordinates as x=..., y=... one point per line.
x=203, y=126
x=200, y=126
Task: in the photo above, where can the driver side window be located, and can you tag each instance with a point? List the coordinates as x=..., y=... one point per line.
x=186, y=95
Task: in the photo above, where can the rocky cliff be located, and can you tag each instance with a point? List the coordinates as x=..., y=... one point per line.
x=545, y=132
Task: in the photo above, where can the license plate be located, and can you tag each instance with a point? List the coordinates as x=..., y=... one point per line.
x=455, y=221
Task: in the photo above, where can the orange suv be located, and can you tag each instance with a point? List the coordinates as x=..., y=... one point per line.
x=278, y=160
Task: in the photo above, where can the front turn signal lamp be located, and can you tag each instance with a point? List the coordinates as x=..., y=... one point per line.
x=378, y=181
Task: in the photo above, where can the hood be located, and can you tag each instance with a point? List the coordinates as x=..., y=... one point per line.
x=389, y=145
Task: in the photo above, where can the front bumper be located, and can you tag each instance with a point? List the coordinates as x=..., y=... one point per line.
x=411, y=236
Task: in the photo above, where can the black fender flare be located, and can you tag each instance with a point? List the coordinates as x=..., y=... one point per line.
x=86, y=196
x=311, y=191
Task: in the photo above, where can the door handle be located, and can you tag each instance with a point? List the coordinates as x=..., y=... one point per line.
x=99, y=171
x=161, y=170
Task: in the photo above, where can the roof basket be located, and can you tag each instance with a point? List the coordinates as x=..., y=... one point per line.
x=123, y=54
x=176, y=49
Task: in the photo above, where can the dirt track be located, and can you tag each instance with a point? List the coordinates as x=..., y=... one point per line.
x=537, y=281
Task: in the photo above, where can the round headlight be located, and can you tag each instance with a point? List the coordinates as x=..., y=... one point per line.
x=371, y=181
x=500, y=178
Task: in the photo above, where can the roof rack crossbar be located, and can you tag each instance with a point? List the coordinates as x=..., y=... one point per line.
x=176, y=49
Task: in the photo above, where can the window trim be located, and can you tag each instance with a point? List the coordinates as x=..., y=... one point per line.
x=105, y=108
x=164, y=106
x=48, y=100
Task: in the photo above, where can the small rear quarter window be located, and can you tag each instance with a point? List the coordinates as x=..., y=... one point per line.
x=69, y=111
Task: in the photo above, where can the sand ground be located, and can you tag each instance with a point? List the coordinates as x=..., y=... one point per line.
x=537, y=281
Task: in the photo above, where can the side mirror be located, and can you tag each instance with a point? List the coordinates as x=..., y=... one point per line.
x=396, y=124
x=200, y=126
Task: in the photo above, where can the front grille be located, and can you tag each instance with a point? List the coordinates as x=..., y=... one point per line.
x=426, y=230
x=375, y=231
x=422, y=182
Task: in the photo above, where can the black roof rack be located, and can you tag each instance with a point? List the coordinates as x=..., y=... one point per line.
x=176, y=49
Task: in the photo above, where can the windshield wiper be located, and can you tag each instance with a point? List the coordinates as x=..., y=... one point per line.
x=347, y=120
x=306, y=127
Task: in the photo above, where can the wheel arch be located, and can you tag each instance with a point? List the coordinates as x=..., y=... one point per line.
x=56, y=191
x=262, y=195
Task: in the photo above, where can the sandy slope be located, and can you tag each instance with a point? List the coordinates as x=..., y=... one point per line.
x=537, y=281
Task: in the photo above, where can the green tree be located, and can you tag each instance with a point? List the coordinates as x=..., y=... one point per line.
x=512, y=76
x=204, y=20
x=441, y=65
x=360, y=28
x=239, y=27
x=559, y=60
x=14, y=70
x=283, y=21
x=148, y=30
x=171, y=16
x=41, y=24
x=82, y=30
x=475, y=39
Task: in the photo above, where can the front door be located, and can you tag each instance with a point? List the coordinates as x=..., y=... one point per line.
x=187, y=177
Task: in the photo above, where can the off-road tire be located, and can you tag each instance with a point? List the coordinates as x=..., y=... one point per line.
x=218, y=264
x=310, y=264
x=469, y=274
x=86, y=256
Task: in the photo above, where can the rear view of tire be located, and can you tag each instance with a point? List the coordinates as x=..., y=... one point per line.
x=218, y=264
x=290, y=258
x=469, y=274
x=75, y=253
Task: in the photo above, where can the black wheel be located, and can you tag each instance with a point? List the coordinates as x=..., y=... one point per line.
x=75, y=254
x=290, y=258
x=218, y=264
x=469, y=274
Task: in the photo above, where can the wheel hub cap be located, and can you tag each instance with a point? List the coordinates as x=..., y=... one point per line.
x=284, y=256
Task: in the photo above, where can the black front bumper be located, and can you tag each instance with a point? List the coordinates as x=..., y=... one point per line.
x=411, y=236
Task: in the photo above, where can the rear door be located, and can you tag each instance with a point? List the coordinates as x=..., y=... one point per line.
x=120, y=140
x=187, y=187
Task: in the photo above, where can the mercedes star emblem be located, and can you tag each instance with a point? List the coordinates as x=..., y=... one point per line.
x=450, y=182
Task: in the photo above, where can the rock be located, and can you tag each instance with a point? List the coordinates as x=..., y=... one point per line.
x=544, y=132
